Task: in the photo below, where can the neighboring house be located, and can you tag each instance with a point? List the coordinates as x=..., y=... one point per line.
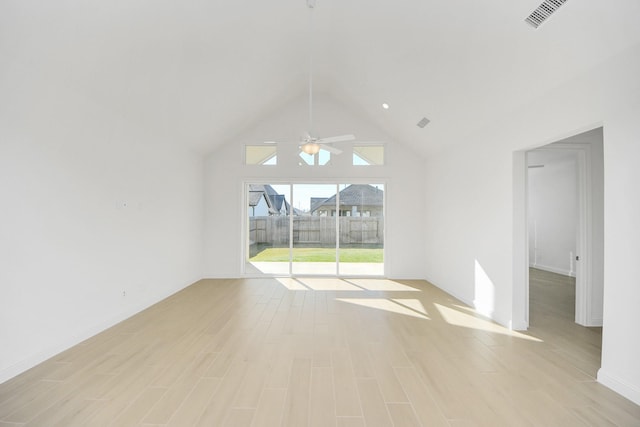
x=315, y=203
x=355, y=200
x=259, y=204
x=264, y=200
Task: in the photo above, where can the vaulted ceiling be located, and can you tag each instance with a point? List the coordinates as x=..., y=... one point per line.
x=200, y=70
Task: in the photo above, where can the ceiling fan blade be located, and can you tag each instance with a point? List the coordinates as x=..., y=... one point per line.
x=329, y=148
x=340, y=138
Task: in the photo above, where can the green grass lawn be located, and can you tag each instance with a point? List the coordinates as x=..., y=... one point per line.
x=319, y=255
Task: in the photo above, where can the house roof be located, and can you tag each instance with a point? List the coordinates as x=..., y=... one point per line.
x=196, y=73
x=278, y=200
x=275, y=200
x=355, y=195
x=315, y=202
x=255, y=196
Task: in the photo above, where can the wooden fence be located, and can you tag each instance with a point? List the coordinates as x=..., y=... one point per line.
x=316, y=231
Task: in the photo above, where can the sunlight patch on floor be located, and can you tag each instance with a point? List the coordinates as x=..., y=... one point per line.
x=404, y=308
x=337, y=284
x=464, y=320
x=328, y=284
x=413, y=304
x=367, y=269
x=292, y=284
x=277, y=268
x=382, y=285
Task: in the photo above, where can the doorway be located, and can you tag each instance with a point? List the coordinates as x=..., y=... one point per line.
x=553, y=223
x=587, y=261
x=314, y=229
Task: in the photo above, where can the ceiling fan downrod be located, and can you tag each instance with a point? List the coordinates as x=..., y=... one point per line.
x=311, y=5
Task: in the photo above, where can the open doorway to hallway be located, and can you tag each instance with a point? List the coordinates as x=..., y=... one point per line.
x=564, y=228
x=552, y=306
x=560, y=285
x=565, y=217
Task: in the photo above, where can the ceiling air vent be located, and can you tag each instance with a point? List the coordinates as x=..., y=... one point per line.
x=423, y=122
x=544, y=11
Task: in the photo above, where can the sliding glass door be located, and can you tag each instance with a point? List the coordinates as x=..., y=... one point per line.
x=314, y=235
x=268, y=229
x=315, y=229
x=361, y=229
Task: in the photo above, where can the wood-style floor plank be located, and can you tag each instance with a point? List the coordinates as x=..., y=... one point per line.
x=322, y=405
x=296, y=412
x=198, y=401
x=351, y=422
x=344, y=384
x=325, y=352
x=134, y=414
x=373, y=405
x=403, y=415
x=419, y=395
x=270, y=408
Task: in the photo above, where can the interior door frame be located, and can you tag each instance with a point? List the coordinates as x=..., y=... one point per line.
x=584, y=247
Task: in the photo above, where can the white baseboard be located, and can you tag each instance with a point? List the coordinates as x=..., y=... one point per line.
x=553, y=270
x=620, y=386
x=501, y=321
x=45, y=354
x=594, y=323
x=518, y=325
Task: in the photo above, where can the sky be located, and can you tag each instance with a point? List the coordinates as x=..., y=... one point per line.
x=302, y=193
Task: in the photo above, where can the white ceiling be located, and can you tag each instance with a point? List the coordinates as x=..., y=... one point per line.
x=202, y=70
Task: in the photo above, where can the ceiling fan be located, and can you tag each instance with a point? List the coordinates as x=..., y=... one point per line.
x=309, y=143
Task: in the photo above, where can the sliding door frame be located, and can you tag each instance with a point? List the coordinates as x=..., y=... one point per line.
x=244, y=228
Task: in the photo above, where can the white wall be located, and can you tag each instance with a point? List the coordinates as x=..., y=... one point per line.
x=468, y=221
x=225, y=174
x=470, y=193
x=621, y=346
x=553, y=211
x=90, y=207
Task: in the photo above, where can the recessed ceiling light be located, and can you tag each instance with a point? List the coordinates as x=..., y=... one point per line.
x=385, y=106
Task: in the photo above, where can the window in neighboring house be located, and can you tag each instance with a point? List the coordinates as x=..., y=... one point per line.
x=368, y=155
x=266, y=154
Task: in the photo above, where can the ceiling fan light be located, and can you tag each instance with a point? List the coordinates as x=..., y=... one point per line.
x=310, y=148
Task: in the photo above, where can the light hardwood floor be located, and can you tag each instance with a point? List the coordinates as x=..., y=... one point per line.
x=324, y=352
